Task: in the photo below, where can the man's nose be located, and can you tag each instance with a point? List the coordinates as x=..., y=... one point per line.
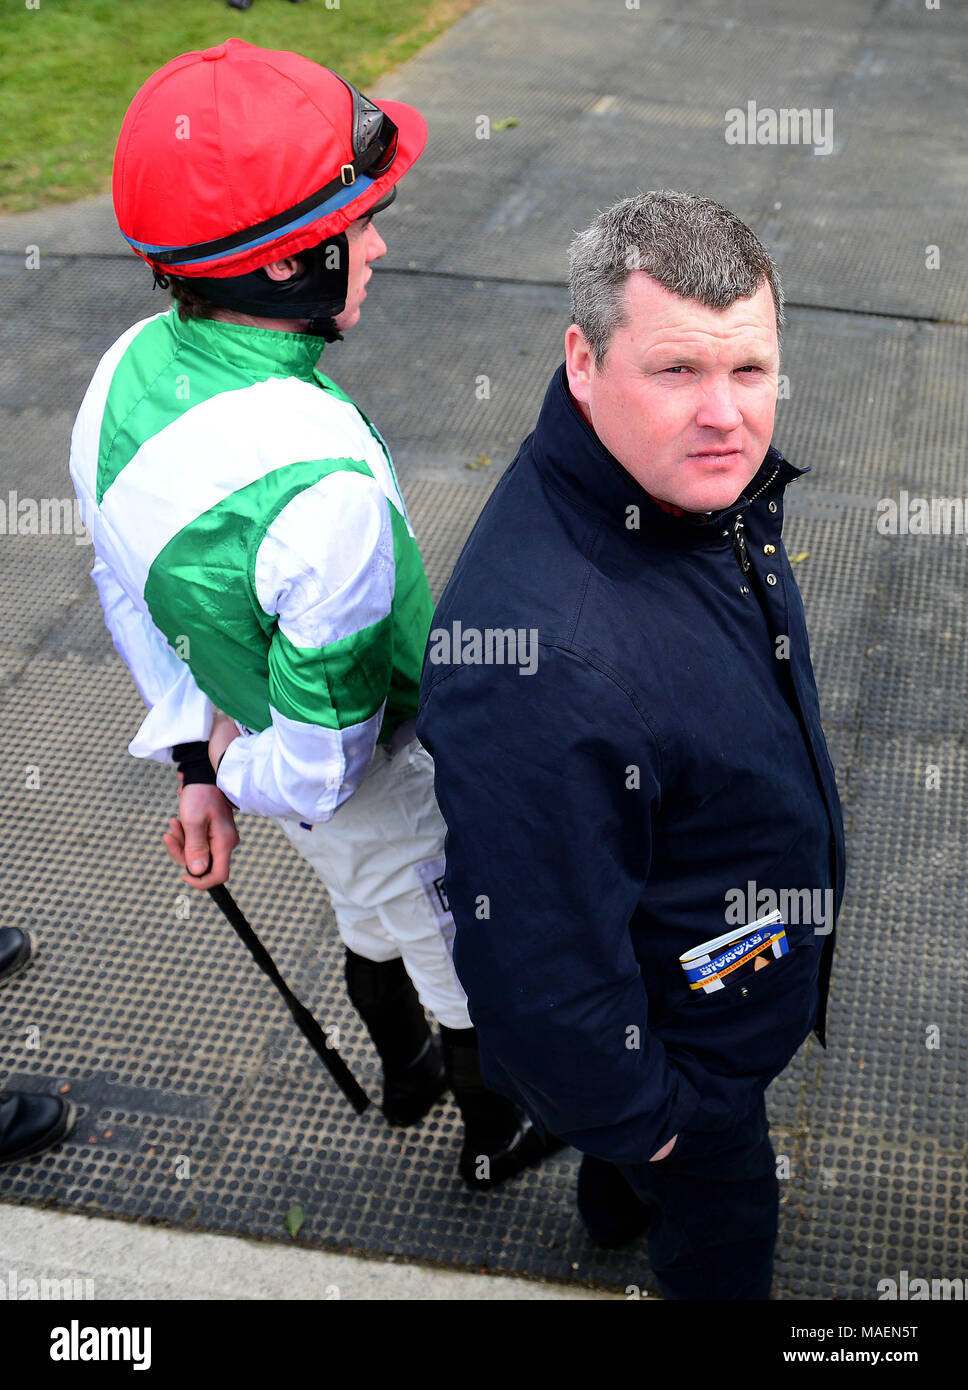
x=718, y=408
x=375, y=245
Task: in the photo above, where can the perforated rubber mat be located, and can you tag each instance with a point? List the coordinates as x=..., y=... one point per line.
x=201, y=1105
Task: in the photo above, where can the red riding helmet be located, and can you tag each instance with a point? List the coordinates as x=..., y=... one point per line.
x=238, y=156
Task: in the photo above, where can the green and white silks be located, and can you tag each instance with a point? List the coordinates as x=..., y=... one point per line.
x=253, y=552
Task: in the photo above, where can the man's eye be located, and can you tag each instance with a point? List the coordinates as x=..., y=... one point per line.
x=750, y=368
x=675, y=369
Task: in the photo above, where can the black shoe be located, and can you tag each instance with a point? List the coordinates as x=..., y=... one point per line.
x=483, y=1171
x=499, y=1138
x=610, y=1211
x=240, y=4
x=407, y=1097
x=31, y=1124
x=14, y=952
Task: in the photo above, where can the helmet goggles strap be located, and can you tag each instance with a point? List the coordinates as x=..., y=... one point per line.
x=374, y=150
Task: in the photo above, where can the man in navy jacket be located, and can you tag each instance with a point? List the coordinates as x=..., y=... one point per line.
x=619, y=698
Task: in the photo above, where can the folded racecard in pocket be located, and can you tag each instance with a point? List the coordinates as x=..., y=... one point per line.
x=726, y=960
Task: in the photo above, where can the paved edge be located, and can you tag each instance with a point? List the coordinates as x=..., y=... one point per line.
x=114, y=1259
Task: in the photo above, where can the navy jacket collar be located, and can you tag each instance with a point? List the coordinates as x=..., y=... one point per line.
x=574, y=461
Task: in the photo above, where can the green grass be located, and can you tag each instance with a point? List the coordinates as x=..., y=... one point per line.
x=69, y=68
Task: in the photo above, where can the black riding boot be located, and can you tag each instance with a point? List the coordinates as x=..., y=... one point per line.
x=413, y=1073
x=32, y=1124
x=499, y=1138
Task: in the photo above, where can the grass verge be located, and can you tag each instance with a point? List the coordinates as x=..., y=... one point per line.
x=69, y=68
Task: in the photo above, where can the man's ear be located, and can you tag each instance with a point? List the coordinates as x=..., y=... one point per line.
x=283, y=270
x=579, y=363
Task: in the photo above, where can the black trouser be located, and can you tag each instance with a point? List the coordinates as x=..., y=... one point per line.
x=715, y=1203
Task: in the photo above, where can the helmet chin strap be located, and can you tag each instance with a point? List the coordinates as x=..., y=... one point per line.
x=324, y=328
x=317, y=292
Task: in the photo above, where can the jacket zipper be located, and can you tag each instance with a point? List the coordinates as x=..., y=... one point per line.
x=760, y=491
x=738, y=533
x=739, y=543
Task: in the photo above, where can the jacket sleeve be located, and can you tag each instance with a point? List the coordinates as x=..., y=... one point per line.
x=178, y=712
x=548, y=783
x=325, y=572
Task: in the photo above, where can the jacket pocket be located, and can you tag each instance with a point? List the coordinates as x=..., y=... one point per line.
x=754, y=984
x=754, y=1027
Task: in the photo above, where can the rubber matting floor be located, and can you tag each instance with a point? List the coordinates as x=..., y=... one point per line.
x=201, y=1105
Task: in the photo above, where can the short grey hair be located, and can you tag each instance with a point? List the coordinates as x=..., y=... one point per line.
x=693, y=247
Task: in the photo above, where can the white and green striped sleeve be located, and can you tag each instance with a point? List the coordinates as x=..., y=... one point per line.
x=325, y=569
x=178, y=712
